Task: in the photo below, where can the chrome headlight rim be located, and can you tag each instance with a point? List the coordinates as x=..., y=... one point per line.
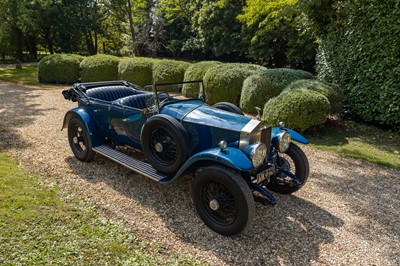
x=283, y=141
x=258, y=154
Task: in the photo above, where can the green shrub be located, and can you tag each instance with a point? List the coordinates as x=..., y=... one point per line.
x=59, y=68
x=359, y=51
x=332, y=92
x=137, y=70
x=196, y=72
x=259, y=88
x=299, y=108
x=169, y=71
x=224, y=82
x=99, y=68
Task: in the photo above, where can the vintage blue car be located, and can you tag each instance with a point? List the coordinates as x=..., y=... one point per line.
x=234, y=159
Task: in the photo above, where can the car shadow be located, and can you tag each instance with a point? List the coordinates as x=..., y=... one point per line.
x=15, y=112
x=277, y=235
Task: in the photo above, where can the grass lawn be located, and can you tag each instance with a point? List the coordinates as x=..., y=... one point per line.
x=358, y=141
x=40, y=226
x=27, y=75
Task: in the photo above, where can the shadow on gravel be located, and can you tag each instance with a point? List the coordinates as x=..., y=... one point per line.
x=15, y=112
x=292, y=232
x=373, y=194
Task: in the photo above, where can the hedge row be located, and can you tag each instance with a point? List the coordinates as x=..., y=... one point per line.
x=59, y=68
x=359, y=51
x=224, y=82
x=286, y=94
x=259, y=88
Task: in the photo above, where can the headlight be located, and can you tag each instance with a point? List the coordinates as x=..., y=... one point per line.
x=284, y=141
x=258, y=153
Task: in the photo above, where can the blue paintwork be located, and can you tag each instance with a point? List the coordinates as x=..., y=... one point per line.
x=88, y=121
x=293, y=134
x=232, y=157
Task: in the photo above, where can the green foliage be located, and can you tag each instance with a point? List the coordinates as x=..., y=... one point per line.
x=59, y=68
x=41, y=226
x=273, y=30
x=332, y=92
x=137, y=70
x=99, y=68
x=300, y=109
x=259, y=88
x=359, y=141
x=169, y=71
x=224, y=82
x=196, y=72
x=359, y=51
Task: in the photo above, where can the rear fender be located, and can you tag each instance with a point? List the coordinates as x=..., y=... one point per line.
x=232, y=158
x=88, y=121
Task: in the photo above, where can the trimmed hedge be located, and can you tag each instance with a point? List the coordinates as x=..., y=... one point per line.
x=99, y=68
x=169, y=71
x=332, y=92
x=137, y=70
x=259, y=88
x=59, y=68
x=299, y=108
x=224, y=82
x=359, y=51
x=196, y=72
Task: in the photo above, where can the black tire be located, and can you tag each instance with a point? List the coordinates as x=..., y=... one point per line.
x=230, y=107
x=164, y=143
x=294, y=157
x=224, y=189
x=80, y=140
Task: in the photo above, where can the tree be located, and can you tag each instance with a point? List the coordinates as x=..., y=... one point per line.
x=272, y=29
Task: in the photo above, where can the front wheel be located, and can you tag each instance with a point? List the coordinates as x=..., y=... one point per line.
x=295, y=161
x=223, y=200
x=230, y=107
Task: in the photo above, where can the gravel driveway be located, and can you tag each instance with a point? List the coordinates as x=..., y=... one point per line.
x=347, y=214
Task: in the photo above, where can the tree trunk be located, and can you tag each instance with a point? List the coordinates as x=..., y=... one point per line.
x=89, y=43
x=131, y=27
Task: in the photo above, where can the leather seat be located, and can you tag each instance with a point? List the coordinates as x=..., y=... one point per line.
x=136, y=101
x=112, y=93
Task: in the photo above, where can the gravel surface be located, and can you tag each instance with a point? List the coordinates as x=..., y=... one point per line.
x=347, y=214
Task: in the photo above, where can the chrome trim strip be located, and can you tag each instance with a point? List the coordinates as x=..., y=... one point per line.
x=245, y=133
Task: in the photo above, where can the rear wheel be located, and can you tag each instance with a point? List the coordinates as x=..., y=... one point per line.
x=79, y=140
x=223, y=200
x=164, y=143
x=230, y=107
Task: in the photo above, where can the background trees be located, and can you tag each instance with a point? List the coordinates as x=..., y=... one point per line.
x=354, y=44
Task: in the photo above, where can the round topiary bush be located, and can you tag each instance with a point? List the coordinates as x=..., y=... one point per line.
x=137, y=70
x=300, y=109
x=330, y=91
x=99, y=68
x=224, y=82
x=59, y=68
x=169, y=71
x=196, y=72
x=259, y=88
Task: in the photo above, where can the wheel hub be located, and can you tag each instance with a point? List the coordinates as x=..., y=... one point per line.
x=75, y=140
x=214, y=205
x=159, y=147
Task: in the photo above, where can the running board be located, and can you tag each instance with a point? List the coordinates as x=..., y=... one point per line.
x=131, y=163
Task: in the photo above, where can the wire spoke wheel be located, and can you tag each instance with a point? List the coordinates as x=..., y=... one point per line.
x=79, y=140
x=163, y=147
x=295, y=161
x=223, y=199
x=219, y=203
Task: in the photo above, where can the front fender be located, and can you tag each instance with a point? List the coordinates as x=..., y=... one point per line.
x=232, y=158
x=88, y=121
x=293, y=134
